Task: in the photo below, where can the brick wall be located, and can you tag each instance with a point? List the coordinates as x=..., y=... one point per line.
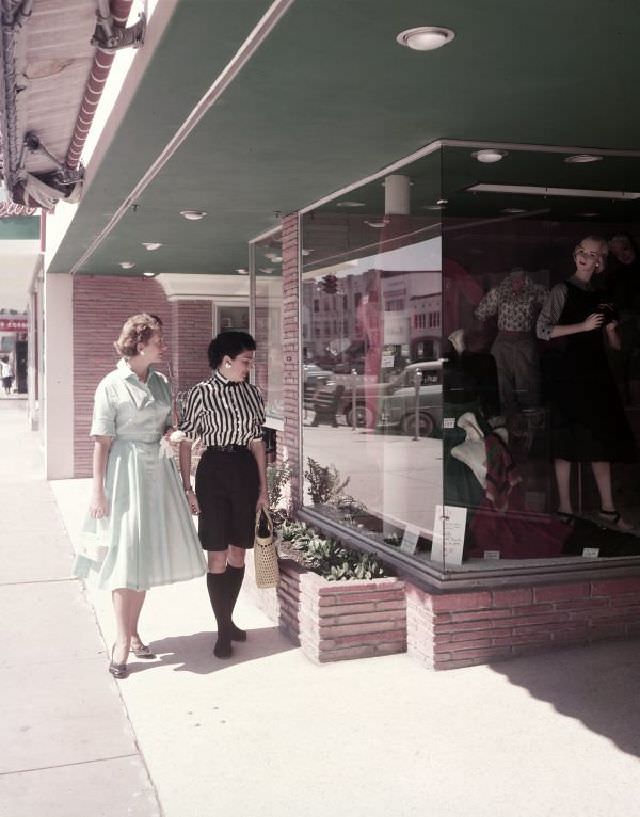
x=192, y=327
x=101, y=304
x=451, y=630
x=291, y=349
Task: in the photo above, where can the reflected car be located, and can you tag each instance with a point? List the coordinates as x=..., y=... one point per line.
x=314, y=377
x=400, y=407
x=395, y=400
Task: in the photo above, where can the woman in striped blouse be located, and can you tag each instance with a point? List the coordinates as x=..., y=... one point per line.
x=227, y=413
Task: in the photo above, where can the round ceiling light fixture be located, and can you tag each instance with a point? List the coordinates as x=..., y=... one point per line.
x=425, y=38
x=149, y=274
x=489, y=155
x=513, y=211
x=589, y=214
x=350, y=204
x=193, y=215
x=377, y=225
x=439, y=205
x=582, y=159
x=151, y=246
x=242, y=271
x=266, y=270
x=126, y=264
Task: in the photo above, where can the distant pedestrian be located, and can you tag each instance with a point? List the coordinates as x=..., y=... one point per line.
x=6, y=374
x=138, y=510
x=227, y=413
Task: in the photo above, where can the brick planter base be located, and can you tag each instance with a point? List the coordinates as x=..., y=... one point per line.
x=333, y=621
x=451, y=630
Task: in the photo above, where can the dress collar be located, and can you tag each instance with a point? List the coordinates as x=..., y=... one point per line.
x=126, y=372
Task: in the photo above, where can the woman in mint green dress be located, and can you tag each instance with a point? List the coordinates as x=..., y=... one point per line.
x=139, y=521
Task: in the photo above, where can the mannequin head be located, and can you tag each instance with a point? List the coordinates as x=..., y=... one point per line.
x=623, y=248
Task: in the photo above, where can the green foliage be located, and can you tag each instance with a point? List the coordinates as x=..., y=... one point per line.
x=329, y=558
x=278, y=475
x=325, y=486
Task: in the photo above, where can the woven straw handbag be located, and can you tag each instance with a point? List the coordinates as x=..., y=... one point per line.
x=264, y=551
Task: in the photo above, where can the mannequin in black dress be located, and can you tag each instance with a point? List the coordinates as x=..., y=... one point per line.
x=588, y=423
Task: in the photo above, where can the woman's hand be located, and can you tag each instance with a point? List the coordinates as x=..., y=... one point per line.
x=98, y=505
x=263, y=501
x=594, y=321
x=194, y=507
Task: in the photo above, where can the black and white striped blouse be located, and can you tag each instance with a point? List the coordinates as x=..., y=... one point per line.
x=222, y=412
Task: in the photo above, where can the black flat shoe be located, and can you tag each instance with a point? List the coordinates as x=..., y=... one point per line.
x=117, y=670
x=141, y=650
x=237, y=633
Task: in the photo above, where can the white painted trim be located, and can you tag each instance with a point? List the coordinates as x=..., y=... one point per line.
x=252, y=43
x=189, y=286
x=59, y=414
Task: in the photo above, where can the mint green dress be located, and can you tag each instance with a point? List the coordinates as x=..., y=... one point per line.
x=148, y=538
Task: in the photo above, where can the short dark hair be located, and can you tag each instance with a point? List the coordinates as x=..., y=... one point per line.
x=231, y=344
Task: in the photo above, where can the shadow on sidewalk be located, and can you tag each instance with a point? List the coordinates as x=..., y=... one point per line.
x=598, y=685
x=192, y=653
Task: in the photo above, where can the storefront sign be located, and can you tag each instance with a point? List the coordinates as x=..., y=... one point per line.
x=14, y=324
x=448, y=534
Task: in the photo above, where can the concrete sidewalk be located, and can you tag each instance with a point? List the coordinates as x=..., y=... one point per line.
x=268, y=734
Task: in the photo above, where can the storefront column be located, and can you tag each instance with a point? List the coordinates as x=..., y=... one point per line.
x=291, y=352
x=59, y=414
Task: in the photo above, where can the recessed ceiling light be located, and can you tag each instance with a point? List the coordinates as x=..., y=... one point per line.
x=582, y=159
x=377, y=225
x=350, y=204
x=425, y=38
x=489, y=155
x=439, y=205
x=151, y=246
x=623, y=195
x=242, y=271
x=149, y=274
x=513, y=211
x=193, y=215
x=275, y=259
x=126, y=264
x=266, y=270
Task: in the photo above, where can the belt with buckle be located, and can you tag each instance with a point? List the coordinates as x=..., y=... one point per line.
x=228, y=449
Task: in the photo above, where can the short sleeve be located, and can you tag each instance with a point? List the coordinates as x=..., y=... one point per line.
x=260, y=413
x=104, y=413
x=189, y=421
x=551, y=311
x=488, y=306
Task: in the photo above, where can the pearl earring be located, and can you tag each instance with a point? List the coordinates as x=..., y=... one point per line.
x=227, y=365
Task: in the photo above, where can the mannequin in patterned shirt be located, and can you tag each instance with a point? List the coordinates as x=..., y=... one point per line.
x=515, y=302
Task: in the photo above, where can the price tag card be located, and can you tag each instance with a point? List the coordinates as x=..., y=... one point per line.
x=590, y=553
x=448, y=534
x=410, y=539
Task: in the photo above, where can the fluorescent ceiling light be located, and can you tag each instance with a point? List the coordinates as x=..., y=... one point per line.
x=527, y=190
x=425, y=38
x=582, y=159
